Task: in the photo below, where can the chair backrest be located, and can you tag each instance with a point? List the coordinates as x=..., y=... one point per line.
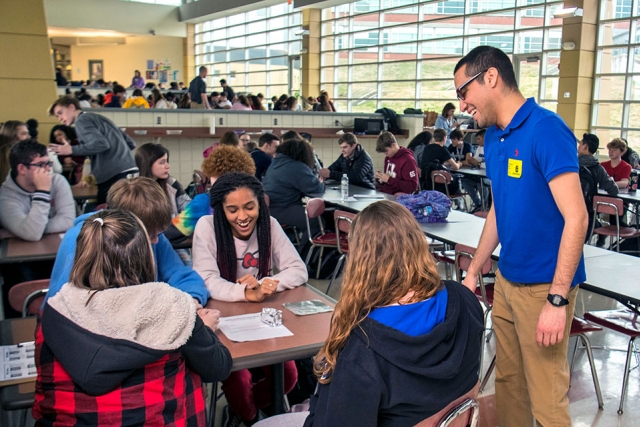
x=462, y=412
x=27, y=297
x=607, y=205
x=314, y=209
x=100, y=207
x=464, y=255
x=343, y=220
x=440, y=177
x=200, y=181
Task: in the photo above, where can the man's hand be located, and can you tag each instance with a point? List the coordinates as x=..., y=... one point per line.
x=382, y=177
x=41, y=179
x=324, y=173
x=471, y=281
x=551, y=323
x=61, y=150
x=210, y=317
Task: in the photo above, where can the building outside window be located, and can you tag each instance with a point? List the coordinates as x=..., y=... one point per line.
x=256, y=51
x=401, y=53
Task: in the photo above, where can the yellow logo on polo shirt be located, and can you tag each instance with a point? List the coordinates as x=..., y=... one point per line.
x=515, y=168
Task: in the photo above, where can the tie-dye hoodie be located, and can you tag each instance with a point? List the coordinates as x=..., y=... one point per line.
x=185, y=222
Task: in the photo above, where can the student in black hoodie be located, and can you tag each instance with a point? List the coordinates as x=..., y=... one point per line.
x=354, y=161
x=403, y=344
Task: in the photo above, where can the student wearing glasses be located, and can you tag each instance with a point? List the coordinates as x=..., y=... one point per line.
x=33, y=202
x=541, y=262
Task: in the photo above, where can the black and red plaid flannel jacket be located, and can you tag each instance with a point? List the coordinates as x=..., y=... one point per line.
x=163, y=393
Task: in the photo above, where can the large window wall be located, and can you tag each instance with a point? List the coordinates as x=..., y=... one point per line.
x=401, y=53
x=616, y=95
x=254, y=51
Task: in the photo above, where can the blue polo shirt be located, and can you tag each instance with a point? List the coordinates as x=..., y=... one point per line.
x=521, y=160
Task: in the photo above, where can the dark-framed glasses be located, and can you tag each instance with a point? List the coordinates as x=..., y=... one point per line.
x=40, y=164
x=461, y=95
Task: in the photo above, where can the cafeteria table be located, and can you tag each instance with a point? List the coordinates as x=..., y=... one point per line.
x=14, y=250
x=309, y=334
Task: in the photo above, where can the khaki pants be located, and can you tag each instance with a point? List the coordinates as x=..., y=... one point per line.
x=531, y=381
x=196, y=106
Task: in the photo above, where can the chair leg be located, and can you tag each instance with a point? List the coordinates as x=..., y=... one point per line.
x=627, y=369
x=335, y=272
x=306, y=261
x=212, y=405
x=485, y=380
x=319, y=262
x=594, y=374
x=573, y=358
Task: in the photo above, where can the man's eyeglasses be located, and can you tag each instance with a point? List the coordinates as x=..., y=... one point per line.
x=461, y=95
x=40, y=164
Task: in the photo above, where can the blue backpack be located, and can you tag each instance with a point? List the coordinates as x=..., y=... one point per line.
x=427, y=206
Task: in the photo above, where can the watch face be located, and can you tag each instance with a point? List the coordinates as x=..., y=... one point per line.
x=556, y=300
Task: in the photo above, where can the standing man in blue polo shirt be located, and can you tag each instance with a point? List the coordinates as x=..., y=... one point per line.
x=538, y=217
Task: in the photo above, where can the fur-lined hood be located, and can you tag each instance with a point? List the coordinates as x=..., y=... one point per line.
x=119, y=330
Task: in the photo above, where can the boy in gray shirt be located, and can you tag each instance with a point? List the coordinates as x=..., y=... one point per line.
x=108, y=147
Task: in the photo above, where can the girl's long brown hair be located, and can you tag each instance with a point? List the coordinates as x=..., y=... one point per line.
x=388, y=258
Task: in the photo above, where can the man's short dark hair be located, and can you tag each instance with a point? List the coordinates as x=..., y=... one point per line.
x=456, y=134
x=484, y=57
x=119, y=89
x=223, y=81
x=137, y=92
x=439, y=135
x=65, y=101
x=24, y=152
x=349, y=138
x=201, y=69
x=481, y=132
x=266, y=138
x=592, y=142
x=385, y=140
x=214, y=93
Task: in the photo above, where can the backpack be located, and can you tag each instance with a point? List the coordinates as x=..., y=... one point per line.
x=413, y=111
x=391, y=118
x=589, y=185
x=427, y=206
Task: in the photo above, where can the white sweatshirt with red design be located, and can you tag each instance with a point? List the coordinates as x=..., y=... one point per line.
x=291, y=271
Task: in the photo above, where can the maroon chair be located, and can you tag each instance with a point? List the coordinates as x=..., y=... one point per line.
x=343, y=222
x=481, y=214
x=444, y=177
x=313, y=211
x=625, y=322
x=579, y=327
x=201, y=182
x=28, y=297
x=484, y=292
x=611, y=206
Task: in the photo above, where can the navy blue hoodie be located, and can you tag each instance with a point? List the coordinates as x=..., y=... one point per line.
x=384, y=377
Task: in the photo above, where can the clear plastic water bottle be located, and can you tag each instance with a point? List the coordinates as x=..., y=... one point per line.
x=344, y=187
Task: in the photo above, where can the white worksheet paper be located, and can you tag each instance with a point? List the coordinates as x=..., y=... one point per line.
x=17, y=361
x=249, y=327
x=349, y=199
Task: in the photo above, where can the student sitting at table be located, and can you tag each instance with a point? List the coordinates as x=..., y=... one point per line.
x=114, y=347
x=403, y=344
x=238, y=251
x=400, y=168
x=617, y=168
x=289, y=178
x=473, y=185
x=224, y=159
x=354, y=161
x=66, y=135
x=145, y=199
x=418, y=144
x=460, y=150
x=153, y=161
x=264, y=154
x=32, y=200
x=436, y=157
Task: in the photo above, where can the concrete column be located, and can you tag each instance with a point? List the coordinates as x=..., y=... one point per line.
x=311, y=58
x=577, y=67
x=27, y=77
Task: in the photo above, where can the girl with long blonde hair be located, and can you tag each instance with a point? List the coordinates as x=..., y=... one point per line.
x=403, y=344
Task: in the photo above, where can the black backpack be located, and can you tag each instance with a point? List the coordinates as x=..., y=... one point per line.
x=589, y=184
x=391, y=118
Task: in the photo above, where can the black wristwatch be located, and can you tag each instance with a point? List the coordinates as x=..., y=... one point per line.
x=557, y=300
